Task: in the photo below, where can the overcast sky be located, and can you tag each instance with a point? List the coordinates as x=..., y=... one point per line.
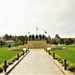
x=17, y=17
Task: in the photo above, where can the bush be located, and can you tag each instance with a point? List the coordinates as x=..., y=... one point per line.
x=51, y=53
x=58, y=58
x=1, y=69
x=20, y=54
x=14, y=60
x=71, y=67
x=25, y=51
x=68, y=64
x=61, y=61
x=10, y=62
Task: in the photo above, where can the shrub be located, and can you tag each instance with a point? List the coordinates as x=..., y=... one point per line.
x=68, y=64
x=58, y=58
x=14, y=60
x=20, y=54
x=71, y=67
x=61, y=61
x=10, y=62
x=1, y=69
x=51, y=53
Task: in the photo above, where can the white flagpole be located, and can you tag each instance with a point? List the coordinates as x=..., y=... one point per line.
x=28, y=34
x=36, y=29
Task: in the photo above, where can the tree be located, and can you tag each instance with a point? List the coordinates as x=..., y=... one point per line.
x=69, y=41
x=30, y=37
x=74, y=41
x=2, y=43
x=22, y=39
x=66, y=42
x=48, y=39
x=61, y=41
x=10, y=36
x=57, y=36
x=18, y=41
x=57, y=39
x=43, y=37
x=40, y=37
x=33, y=38
x=36, y=37
x=26, y=39
x=53, y=41
x=6, y=37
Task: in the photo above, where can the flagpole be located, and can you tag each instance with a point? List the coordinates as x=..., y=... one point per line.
x=44, y=32
x=36, y=31
x=28, y=34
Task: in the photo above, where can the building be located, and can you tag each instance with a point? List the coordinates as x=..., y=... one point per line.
x=11, y=42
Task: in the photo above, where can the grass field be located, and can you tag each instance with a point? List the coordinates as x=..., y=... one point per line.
x=6, y=54
x=68, y=53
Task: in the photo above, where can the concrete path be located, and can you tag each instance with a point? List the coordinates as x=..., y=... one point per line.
x=37, y=62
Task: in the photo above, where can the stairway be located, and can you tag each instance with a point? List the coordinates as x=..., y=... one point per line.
x=36, y=44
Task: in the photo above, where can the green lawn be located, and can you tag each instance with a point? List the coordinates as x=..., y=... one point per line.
x=6, y=54
x=68, y=53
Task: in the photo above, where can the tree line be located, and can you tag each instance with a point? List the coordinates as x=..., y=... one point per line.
x=21, y=40
x=58, y=40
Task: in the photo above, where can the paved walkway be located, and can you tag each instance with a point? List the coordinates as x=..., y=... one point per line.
x=37, y=62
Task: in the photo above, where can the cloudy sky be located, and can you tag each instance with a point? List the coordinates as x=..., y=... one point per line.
x=17, y=17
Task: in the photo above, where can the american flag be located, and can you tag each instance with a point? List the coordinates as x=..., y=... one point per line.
x=28, y=32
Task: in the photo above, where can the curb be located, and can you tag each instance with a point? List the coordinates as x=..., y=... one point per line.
x=59, y=65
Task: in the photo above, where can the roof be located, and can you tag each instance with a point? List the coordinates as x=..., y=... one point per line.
x=10, y=41
x=68, y=38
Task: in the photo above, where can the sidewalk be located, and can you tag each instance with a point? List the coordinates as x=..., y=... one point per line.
x=37, y=62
